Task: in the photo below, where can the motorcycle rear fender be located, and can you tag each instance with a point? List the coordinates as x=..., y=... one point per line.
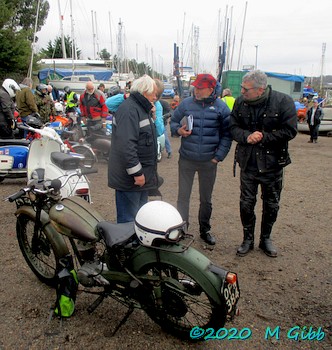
x=101, y=144
x=55, y=238
x=190, y=260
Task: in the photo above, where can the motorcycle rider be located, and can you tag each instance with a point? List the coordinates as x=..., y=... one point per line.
x=25, y=101
x=44, y=103
x=7, y=108
x=71, y=99
x=93, y=107
x=262, y=123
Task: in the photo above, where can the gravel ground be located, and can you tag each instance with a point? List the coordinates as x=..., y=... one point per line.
x=293, y=290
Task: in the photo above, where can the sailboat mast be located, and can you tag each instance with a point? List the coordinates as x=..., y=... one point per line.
x=73, y=45
x=109, y=20
x=322, y=68
x=229, y=40
x=93, y=35
x=244, y=20
x=34, y=40
x=63, y=46
x=120, y=48
x=182, y=50
x=97, y=37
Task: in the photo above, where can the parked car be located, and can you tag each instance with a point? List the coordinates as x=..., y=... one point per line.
x=168, y=91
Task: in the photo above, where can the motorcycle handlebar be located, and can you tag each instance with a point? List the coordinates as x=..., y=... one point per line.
x=86, y=171
x=55, y=185
x=16, y=195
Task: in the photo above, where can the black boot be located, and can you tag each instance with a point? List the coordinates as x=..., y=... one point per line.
x=248, y=241
x=266, y=243
x=208, y=238
x=268, y=248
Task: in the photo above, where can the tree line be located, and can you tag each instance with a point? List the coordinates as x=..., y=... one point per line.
x=17, y=26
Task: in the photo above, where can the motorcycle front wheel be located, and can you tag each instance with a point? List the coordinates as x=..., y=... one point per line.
x=37, y=250
x=181, y=303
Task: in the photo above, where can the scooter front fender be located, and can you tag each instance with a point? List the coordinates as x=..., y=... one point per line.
x=190, y=261
x=56, y=239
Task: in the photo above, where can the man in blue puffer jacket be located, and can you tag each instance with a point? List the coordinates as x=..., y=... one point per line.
x=202, y=148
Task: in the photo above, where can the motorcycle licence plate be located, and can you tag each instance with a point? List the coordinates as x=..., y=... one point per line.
x=231, y=293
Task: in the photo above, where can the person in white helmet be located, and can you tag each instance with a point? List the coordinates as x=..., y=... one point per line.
x=7, y=108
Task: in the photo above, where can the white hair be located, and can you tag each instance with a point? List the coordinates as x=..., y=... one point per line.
x=144, y=84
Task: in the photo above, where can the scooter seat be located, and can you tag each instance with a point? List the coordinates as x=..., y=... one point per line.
x=65, y=161
x=115, y=234
x=14, y=142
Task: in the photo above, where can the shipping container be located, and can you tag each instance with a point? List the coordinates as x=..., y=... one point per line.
x=232, y=80
x=290, y=84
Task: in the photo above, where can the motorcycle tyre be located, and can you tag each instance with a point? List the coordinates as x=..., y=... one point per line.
x=159, y=156
x=2, y=178
x=44, y=270
x=178, y=304
x=90, y=157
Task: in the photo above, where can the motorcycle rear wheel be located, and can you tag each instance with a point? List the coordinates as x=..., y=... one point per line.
x=37, y=252
x=183, y=303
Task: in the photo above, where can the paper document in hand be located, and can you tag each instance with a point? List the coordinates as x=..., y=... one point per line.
x=188, y=121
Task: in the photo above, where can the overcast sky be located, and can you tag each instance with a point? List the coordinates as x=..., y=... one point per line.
x=284, y=36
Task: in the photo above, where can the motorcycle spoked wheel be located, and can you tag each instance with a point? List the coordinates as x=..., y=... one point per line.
x=37, y=252
x=89, y=156
x=183, y=303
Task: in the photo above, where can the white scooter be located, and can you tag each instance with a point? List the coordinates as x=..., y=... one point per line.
x=49, y=158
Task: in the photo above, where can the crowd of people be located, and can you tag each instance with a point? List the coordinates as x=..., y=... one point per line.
x=250, y=120
x=261, y=121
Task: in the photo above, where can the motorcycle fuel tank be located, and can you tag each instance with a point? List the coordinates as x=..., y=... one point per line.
x=76, y=218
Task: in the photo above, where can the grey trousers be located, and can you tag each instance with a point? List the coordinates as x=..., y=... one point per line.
x=207, y=172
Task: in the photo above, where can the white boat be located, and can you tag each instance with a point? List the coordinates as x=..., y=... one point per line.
x=78, y=82
x=325, y=126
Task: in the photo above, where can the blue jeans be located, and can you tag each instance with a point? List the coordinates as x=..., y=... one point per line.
x=167, y=142
x=207, y=172
x=128, y=203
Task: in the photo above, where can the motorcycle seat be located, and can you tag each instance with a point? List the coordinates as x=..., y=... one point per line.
x=14, y=142
x=65, y=161
x=115, y=234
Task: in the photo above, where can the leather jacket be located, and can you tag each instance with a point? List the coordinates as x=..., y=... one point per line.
x=276, y=118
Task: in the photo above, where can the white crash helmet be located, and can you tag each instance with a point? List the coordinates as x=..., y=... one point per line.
x=58, y=107
x=11, y=87
x=158, y=220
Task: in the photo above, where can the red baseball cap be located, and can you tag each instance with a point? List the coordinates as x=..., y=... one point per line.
x=203, y=81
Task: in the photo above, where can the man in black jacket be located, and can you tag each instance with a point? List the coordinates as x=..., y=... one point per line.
x=262, y=123
x=7, y=107
x=132, y=169
x=314, y=116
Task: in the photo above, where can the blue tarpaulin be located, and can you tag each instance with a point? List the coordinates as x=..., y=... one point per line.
x=51, y=73
x=289, y=77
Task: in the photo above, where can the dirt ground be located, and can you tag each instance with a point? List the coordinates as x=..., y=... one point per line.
x=288, y=294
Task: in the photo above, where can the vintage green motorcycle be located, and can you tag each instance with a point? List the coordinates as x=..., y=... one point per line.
x=147, y=264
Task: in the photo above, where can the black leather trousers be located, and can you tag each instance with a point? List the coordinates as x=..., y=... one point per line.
x=271, y=186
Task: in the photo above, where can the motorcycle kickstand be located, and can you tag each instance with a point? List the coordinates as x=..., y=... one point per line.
x=123, y=321
x=96, y=303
